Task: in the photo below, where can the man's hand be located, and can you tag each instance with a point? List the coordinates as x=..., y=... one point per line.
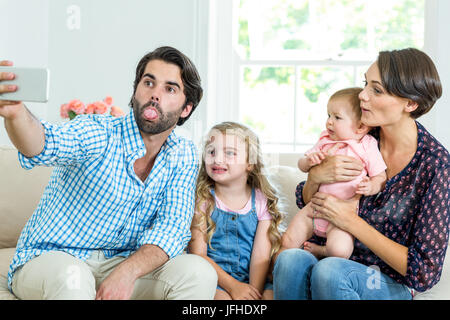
x=25, y=131
x=119, y=285
x=8, y=109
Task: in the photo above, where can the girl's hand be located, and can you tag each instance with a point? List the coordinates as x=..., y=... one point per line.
x=341, y=213
x=336, y=169
x=244, y=291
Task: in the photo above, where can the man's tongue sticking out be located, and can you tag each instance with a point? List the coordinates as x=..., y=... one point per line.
x=150, y=114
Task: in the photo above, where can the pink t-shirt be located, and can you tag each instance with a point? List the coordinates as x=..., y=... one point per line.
x=365, y=150
x=262, y=210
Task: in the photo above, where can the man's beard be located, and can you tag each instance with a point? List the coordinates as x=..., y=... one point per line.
x=164, y=121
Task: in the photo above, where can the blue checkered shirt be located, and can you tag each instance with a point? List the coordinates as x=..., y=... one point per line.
x=95, y=201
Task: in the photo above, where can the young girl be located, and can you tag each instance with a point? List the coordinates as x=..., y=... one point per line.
x=345, y=135
x=235, y=226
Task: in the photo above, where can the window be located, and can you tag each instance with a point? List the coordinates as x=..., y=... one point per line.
x=289, y=56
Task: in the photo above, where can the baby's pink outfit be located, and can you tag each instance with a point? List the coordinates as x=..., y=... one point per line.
x=365, y=150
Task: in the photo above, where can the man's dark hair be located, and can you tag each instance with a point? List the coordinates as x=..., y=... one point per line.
x=189, y=75
x=410, y=73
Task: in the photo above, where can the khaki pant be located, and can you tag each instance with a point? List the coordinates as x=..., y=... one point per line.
x=58, y=275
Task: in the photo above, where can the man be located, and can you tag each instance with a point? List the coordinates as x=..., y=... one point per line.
x=115, y=216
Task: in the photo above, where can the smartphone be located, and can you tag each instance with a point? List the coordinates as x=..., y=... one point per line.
x=32, y=84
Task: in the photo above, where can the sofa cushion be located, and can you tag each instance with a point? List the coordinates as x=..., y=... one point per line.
x=285, y=180
x=6, y=256
x=20, y=192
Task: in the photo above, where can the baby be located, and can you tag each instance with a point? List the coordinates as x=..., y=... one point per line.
x=344, y=135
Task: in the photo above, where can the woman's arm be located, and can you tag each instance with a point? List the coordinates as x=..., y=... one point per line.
x=312, y=159
x=430, y=231
x=260, y=259
x=391, y=252
x=332, y=169
x=343, y=214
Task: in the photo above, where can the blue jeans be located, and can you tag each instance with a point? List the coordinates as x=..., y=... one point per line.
x=298, y=275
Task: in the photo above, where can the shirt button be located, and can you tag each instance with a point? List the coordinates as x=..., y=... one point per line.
x=233, y=218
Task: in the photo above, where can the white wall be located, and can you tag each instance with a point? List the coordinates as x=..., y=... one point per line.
x=437, y=45
x=24, y=39
x=92, y=47
x=99, y=58
x=442, y=55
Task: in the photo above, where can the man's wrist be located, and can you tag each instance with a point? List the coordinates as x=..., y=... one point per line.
x=128, y=270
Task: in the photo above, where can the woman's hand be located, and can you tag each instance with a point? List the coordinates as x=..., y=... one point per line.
x=341, y=213
x=332, y=169
x=336, y=169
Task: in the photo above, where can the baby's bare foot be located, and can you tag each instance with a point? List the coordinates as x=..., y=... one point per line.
x=318, y=251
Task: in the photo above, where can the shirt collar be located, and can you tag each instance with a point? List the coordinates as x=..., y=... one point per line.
x=132, y=138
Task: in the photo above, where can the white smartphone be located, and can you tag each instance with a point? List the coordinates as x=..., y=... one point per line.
x=32, y=84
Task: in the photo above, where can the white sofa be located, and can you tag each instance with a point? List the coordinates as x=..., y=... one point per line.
x=20, y=191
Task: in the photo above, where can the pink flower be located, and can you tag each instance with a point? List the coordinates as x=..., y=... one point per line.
x=117, y=112
x=100, y=107
x=90, y=108
x=108, y=100
x=76, y=106
x=64, y=111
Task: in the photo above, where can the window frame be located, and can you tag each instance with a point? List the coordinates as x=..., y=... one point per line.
x=224, y=63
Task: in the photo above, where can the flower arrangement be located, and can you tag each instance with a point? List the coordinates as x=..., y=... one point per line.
x=75, y=107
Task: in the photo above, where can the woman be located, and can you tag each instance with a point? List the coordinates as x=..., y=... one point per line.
x=401, y=234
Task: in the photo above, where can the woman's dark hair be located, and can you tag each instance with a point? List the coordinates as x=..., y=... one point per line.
x=410, y=73
x=189, y=75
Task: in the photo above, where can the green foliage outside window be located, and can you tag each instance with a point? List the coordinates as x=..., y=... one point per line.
x=321, y=29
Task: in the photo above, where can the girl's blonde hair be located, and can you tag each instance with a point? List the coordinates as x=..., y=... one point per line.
x=256, y=180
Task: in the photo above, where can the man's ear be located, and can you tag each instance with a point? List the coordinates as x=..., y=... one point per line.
x=186, y=110
x=411, y=106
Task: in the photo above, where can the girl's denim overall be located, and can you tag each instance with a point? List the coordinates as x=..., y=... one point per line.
x=232, y=241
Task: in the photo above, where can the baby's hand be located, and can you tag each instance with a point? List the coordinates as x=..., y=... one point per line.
x=315, y=158
x=373, y=185
x=365, y=187
x=332, y=151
